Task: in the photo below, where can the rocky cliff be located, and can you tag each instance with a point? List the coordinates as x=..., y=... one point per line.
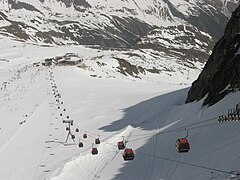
x=221, y=74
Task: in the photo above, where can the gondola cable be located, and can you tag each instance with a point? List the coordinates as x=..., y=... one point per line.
x=173, y=130
x=183, y=128
x=185, y=163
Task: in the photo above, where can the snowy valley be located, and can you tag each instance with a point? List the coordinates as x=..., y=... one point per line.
x=120, y=71
x=148, y=110
x=120, y=24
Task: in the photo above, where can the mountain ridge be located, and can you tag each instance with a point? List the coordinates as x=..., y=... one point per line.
x=118, y=24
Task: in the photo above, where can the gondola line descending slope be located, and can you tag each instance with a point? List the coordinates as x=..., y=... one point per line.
x=204, y=139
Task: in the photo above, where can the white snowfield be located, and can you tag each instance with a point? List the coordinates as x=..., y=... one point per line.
x=150, y=113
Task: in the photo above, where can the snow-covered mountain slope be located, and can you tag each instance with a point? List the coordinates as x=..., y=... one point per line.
x=149, y=112
x=139, y=64
x=112, y=23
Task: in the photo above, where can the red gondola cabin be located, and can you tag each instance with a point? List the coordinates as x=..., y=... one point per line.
x=128, y=154
x=121, y=145
x=94, y=151
x=182, y=145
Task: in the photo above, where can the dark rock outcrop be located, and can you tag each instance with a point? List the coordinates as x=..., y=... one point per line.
x=82, y=3
x=226, y=6
x=125, y=33
x=22, y=5
x=221, y=73
x=77, y=4
x=68, y=3
x=211, y=23
x=200, y=43
x=127, y=68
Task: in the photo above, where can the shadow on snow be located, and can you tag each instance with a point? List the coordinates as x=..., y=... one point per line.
x=140, y=115
x=161, y=111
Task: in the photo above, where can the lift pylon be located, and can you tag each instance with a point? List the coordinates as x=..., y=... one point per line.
x=70, y=123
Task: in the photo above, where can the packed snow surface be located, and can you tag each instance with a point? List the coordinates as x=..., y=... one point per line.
x=149, y=112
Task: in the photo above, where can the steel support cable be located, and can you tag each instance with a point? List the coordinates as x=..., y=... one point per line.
x=185, y=163
x=165, y=132
x=180, y=128
x=155, y=134
x=95, y=135
x=183, y=128
x=103, y=140
x=151, y=134
x=208, y=125
x=174, y=130
x=175, y=168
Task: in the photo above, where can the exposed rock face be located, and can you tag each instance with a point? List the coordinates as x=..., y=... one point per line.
x=125, y=32
x=83, y=3
x=172, y=40
x=206, y=23
x=22, y=5
x=75, y=3
x=127, y=68
x=68, y=3
x=226, y=6
x=221, y=74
